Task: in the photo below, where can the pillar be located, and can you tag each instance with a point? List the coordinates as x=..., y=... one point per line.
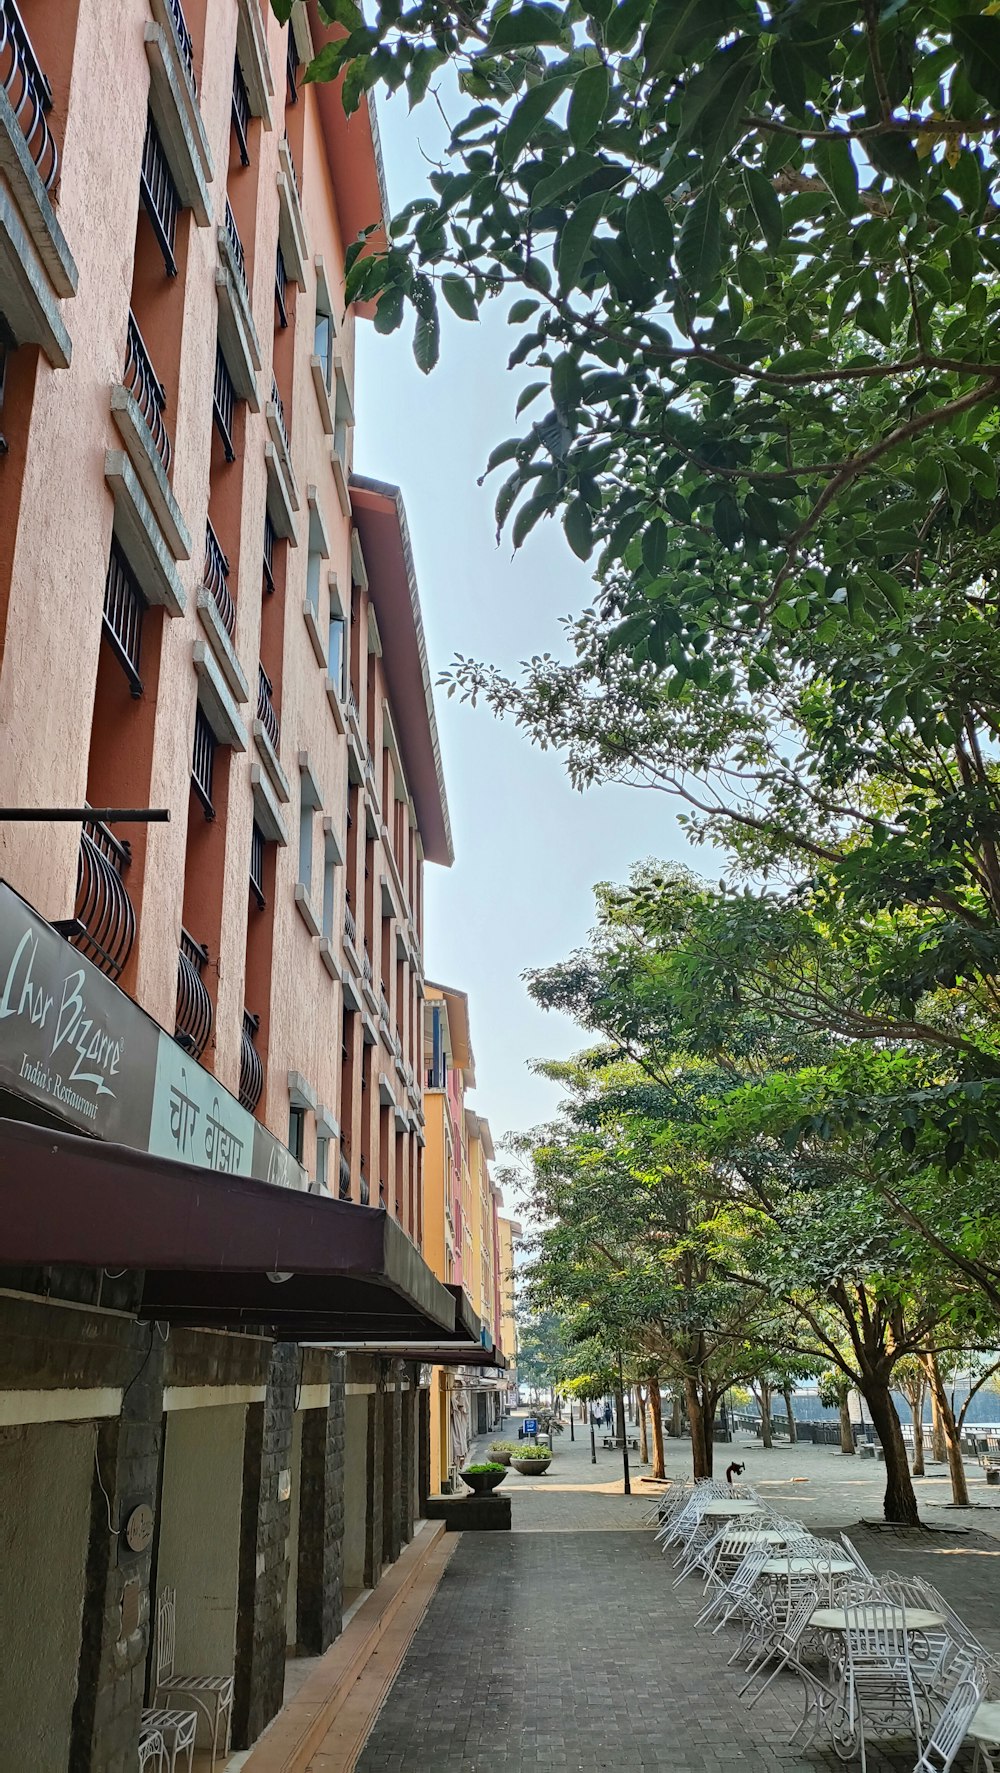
x=319, y=1606
x=263, y=1571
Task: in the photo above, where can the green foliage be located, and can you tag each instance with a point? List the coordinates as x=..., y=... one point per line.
x=487, y=1465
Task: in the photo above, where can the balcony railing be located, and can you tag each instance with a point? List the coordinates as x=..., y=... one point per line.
x=124, y=608
x=184, y=42
x=352, y=705
x=265, y=706
x=257, y=864
x=216, y=580
x=203, y=761
x=344, y=1189
x=363, y=1193
x=350, y=927
x=251, y=1067
x=233, y=236
x=279, y=408
x=291, y=69
x=194, y=1006
x=150, y=395
x=224, y=405
x=103, y=922
x=159, y=195
x=28, y=91
x=269, y=541
x=366, y=963
x=241, y=112
x=280, y=288
x=383, y=1007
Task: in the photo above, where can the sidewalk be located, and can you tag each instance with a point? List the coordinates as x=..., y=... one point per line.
x=564, y=1644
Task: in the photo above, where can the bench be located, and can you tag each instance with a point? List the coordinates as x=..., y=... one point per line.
x=630, y=1441
x=988, y=1451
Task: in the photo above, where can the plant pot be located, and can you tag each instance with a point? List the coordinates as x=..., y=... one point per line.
x=482, y=1482
x=530, y=1467
x=500, y=1458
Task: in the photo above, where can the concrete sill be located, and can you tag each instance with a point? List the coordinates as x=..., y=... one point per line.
x=322, y=396
x=237, y=333
x=329, y=959
x=291, y=227
x=269, y=758
x=218, y=634
x=34, y=204
x=305, y=910
x=174, y=105
x=214, y=696
x=141, y=536
x=282, y=493
x=266, y=809
x=312, y=629
x=336, y=706
x=340, y=482
x=255, y=62
x=351, y=956
x=136, y=437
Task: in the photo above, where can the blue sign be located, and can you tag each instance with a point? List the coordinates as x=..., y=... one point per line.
x=531, y=1425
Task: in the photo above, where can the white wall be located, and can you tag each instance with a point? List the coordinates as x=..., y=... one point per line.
x=45, y=1489
x=200, y=1532
x=355, y=1489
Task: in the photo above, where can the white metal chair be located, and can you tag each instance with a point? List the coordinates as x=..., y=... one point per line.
x=878, y=1680
x=178, y=1729
x=212, y=1694
x=783, y=1647
x=953, y=1722
x=152, y=1752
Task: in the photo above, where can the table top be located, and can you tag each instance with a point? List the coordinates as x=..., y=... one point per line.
x=985, y=1726
x=898, y=1618
x=757, y=1536
x=738, y=1505
x=823, y=1563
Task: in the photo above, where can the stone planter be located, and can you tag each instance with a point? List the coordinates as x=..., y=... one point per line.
x=530, y=1467
x=482, y=1482
x=500, y=1458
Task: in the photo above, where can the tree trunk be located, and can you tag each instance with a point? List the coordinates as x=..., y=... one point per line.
x=846, y=1426
x=900, y=1502
x=620, y=1414
x=701, y=1462
x=656, y=1413
x=676, y=1415
x=765, y=1415
x=952, y=1438
x=643, y=1429
x=792, y=1436
x=939, y=1448
x=917, y=1406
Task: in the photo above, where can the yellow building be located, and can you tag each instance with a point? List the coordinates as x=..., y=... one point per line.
x=461, y=1237
x=509, y=1234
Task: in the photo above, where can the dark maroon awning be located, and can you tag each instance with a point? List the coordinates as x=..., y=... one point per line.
x=216, y=1250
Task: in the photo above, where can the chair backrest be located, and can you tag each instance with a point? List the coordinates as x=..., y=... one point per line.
x=875, y=1635
x=952, y=1725
x=166, y=1631
x=804, y=1601
x=855, y=1556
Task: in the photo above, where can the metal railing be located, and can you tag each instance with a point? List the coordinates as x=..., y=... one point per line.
x=352, y=705
x=224, y=405
x=251, y=1065
x=159, y=195
x=241, y=112
x=103, y=924
x=150, y=395
x=293, y=171
x=278, y=404
x=383, y=1007
x=269, y=541
x=124, y=608
x=281, y=288
x=344, y=1189
x=28, y=91
x=215, y=579
x=350, y=926
x=366, y=963
x=203, y=761
x=291, y=69
x=363, y=1192
x=233, y=236
x=175, y=12
x=257, y=864
x=265, y=706
x=194, y=1006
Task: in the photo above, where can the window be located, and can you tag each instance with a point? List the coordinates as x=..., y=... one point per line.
x=296, y=1130
x=322, y=1149
x=306, y=812
x=314, y=572
x=337, y=654
x=241, y=113
x=331, y=859
x=257, y=865
x=323, y=345
x=124, y=608
x=159, y=196
x=203, y=761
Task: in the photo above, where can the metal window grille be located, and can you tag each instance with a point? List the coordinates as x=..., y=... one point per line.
x=215, y=579
x=241, y=112
x=366, y=963
x=28, y=91
x=344, y=1188
x=194, y=1006
x=159, y=195
x=296, y=1131
x=265, y=706
x=281, y=288
x=203, y=761
x=151, y=396
x=236, y=243
x=124, y=608
x=294, y=171
x=350, y=927
x=224, y=405
x=184, y=40
x=269, y=541
x=257, y=864
x=251, y=1067
x=279, y=408
x=103, y=922
x=291, y=69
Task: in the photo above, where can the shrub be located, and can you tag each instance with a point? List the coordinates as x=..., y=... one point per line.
x=505, y=1446
x=489, y=1465
x=534, y=1453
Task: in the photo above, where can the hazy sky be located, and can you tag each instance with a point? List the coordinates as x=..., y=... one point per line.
x=528, y=849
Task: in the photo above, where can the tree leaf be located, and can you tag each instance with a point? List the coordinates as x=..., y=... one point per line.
x=976, y=36
x=674, y=24
x=575, y=239
x=389, y=312
x=654, y=546
x=459, y=296
x=836, y=167
x=579, y=530
x=528, y=114
x=527, y=26
x=528, y=516
x=766, y=207
x=591, y=92
x=649, y=231
x=699, y=245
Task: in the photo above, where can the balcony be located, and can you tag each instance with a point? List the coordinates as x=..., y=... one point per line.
x=124, y=608
x=194, y=1006
x=241, y=113
x=268, y=564
x=29, y=92
x=291, y=227
x=103, y=923
x=148, y=391
x=203, y=761
x=265, y=708
x=160, y=197
x=350, y=927
x=138, y=407
x=216, y=580
x=173, y=100
x=291, y=69
x=282, y=489
x=224, y=405
x=366, y=965
x=36, y=266
x=281, y=288
x=255, y=62
x=217, y=613
x=251, y=1066
x=237, y=333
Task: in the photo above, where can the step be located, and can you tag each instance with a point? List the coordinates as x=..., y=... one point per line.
x=297, y=1732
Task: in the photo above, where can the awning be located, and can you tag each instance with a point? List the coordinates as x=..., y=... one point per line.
x=217, y=1251
x=463, y=1348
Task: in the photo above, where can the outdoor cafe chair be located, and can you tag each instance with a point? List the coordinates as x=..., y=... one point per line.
x=782, y=1646
x=877, y=1681
x=921, y=1593
x=952, y=1723
x=212, y=1694
x=152, y=1753
x=178, y=1729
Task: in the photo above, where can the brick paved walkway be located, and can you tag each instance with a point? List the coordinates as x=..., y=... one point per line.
x=564, y=1645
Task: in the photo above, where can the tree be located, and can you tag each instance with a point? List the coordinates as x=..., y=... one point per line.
x=542, y=1353
x=834, y=1391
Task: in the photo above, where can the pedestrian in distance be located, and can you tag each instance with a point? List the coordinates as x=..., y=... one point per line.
x=607, y=1413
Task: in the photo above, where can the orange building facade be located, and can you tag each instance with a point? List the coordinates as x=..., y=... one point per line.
x=215, y=1315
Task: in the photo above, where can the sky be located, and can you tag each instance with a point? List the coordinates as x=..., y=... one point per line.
x=528, y=848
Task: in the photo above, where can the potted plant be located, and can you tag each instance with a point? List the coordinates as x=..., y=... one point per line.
x=532, y=1461
x=483, y=1478
x=501, y=1451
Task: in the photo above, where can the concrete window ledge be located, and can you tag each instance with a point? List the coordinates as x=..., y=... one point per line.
x=135, y=435
x=251, y=47
x=304, y=906
x=266, y=810
x=215, y=697
x=141, y=537
x=269, y=758
x=218, y=634
x=282, y=491
x=33, y=203
x=291, y=225
x=174, y=104
x=237, y=333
